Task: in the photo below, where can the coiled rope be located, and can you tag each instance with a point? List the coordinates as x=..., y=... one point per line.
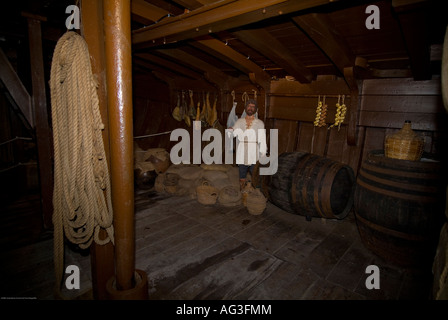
x=81, y=198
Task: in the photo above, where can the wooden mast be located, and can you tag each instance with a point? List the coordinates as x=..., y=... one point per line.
x=117, y=27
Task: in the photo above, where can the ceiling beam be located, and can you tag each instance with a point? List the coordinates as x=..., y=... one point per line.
x=143, y=9
x=219, y=16
x=170, y=65
x=266, y=44
x=206, y=2
x=189, y=4
x=170, y=7
x=227, y=54
x=414, y=21
x=322, y=31
x=155, y=68
x=211, y=73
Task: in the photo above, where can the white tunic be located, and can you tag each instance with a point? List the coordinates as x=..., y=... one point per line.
x=251, y=142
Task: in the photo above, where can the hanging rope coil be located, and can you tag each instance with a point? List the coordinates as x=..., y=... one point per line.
x=81, y=198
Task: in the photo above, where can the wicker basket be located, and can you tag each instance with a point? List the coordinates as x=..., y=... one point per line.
x=255, y=202
x=404, y=145
x=206, y=194
x=171, y=181
x=230, y=196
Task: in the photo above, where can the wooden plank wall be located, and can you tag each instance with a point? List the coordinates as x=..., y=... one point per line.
x=385, y=105
x=290, y=107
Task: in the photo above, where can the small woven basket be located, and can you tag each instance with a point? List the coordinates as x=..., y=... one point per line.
x=206, y=194
x=171, y=181
x=255, y=202
x=229, y=196
x=404, y=145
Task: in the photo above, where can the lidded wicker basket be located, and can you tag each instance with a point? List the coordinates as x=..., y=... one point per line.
x=404, y=144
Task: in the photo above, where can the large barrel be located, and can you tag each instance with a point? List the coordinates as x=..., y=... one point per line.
x=309, y=185
x=399, y=208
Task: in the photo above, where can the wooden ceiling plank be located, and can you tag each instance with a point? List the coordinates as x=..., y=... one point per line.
x=146, y=10
x=232, y=57
x=322, y=31
x=262, y=41
x=170, y=65
x=222, y=15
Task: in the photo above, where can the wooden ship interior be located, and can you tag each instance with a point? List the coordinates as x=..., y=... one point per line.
x=383, y=60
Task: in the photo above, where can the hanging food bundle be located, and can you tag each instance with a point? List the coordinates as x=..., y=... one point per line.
x=184, y=108
x=208, y=113
x=192, y=109
x=341, y=110
x=177, y=110
x=203, y=116
x=213, y=114
x=321, y=113
x=198, y=117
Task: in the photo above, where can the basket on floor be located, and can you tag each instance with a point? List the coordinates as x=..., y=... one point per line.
x=404, y=145
x=206, y=193
x=256, y=202
x=230, y=196
x=171, y=181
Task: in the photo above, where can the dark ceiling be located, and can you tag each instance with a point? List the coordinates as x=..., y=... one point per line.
x=269, y=39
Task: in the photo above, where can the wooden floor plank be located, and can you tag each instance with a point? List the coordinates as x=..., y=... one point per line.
x=229, y=278
x=195, y=251
x=274, y=237
x=285, y=283
x=162, y=229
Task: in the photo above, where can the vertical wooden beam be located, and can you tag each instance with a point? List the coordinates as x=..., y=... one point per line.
x=43, y=134
x=117, y=31
x=102, y=256
x=16, y=89
x=414, y=22
x=353, y=109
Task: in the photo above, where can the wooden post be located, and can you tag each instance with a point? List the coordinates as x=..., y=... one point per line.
x=354, y=86
x=102, y=256
x=43, y=134
x=117, y=27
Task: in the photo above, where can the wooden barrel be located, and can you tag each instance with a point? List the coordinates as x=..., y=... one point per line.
x=309, y=185
x=399, y=208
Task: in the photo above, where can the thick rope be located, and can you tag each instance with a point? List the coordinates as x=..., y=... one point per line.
x=81, y=198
